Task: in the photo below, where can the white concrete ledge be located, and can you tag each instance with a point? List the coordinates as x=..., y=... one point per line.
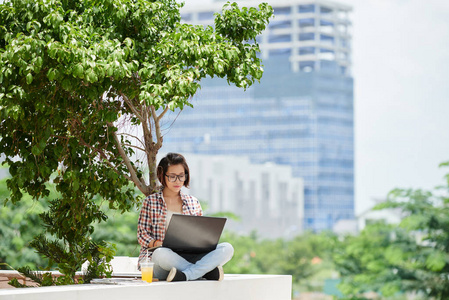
x=235, y=287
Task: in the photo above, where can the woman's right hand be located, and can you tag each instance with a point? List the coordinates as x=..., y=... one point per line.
x=155, y=243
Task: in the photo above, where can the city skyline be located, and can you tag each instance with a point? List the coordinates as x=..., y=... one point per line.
x=399, y=56
x=301, y=114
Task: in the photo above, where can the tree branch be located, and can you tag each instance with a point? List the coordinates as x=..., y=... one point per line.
x=133, y=136
x=131, y=106
x=104, y=157
x=162, y=114
x=143, y=121
x=157, y=126
x=140, y=185
x=132, y=146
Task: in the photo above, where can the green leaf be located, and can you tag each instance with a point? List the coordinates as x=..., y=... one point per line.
x=128, y=42
x=66, y=84
x=42, y=145
x=29, y=78
x=75, y=185
x=110, y=117
x=51, y=74
x=38, y=64
x=78, y=71
x=437, y=260
x=394, y=254
x=91, y=76
x=390, y=288
x=35, y=150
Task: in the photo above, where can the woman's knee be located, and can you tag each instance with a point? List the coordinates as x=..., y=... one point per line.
x=161, y=254
x=227, y=249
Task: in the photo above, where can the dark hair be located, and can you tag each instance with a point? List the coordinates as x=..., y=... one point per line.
x=169, y=160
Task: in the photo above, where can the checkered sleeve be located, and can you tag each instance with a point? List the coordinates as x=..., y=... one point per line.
x=144, y=226
x=198, y=208
x=193, y=205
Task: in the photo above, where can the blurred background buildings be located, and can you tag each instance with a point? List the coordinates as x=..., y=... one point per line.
x=265, y=197
x=301, y=115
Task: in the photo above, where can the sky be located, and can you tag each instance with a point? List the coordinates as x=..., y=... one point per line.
x=401, y=95
x=401, y=60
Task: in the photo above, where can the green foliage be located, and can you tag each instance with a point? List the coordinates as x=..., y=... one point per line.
x=69, y=69
x=19, y=223
x=411, y=257
x=120, y=230
x=42, y=279
x=369, y=261
x=99, y=259
x=304, y=257
x=21, y=228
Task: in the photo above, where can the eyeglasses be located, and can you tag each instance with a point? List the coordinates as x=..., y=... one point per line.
x=172, y=178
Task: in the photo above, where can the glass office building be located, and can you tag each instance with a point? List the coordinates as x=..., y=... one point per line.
x=301, y=114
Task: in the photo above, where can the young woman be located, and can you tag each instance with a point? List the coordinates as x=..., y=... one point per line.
x=157, y=210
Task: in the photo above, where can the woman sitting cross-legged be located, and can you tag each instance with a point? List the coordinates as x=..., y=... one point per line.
x=155, y=215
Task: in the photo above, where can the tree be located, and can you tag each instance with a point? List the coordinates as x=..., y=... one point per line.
x=306, y=257
x=73, y=72
x=70, y=69
x=411, y=257
x=369, y=262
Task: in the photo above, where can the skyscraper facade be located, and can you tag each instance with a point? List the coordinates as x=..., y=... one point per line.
x=301, y=114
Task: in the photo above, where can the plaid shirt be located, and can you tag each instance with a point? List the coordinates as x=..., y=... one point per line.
x=151, y=225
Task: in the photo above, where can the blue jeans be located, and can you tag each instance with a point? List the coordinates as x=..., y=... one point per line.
x=164, y=259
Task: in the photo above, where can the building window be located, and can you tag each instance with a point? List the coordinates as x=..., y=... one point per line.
x=282, y=10
x=280, y=52
x=309, y=22
x=309, y=36
x=327, y=54
x=186, y=17
x=310, y=8
x=327, y=39
x=306, y=50
x=279, y=38
x=280, y=24
x=326, y=26
x=325, y=10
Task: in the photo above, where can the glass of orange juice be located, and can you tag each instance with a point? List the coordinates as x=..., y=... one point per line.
x=146, y=267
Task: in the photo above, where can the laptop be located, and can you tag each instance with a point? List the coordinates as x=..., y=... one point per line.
x=188, y=234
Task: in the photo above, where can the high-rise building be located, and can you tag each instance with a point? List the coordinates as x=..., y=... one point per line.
x=301, y=114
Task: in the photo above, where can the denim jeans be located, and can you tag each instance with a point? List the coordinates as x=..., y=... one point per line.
x=193, y=266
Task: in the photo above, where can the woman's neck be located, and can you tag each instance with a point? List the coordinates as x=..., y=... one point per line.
x=169, y=194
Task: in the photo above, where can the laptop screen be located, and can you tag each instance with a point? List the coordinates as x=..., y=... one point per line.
x=193, y=234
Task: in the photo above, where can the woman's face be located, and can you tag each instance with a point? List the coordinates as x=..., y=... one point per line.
x=176, y=186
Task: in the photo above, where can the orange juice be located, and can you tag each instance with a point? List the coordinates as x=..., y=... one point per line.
x=147, y=271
